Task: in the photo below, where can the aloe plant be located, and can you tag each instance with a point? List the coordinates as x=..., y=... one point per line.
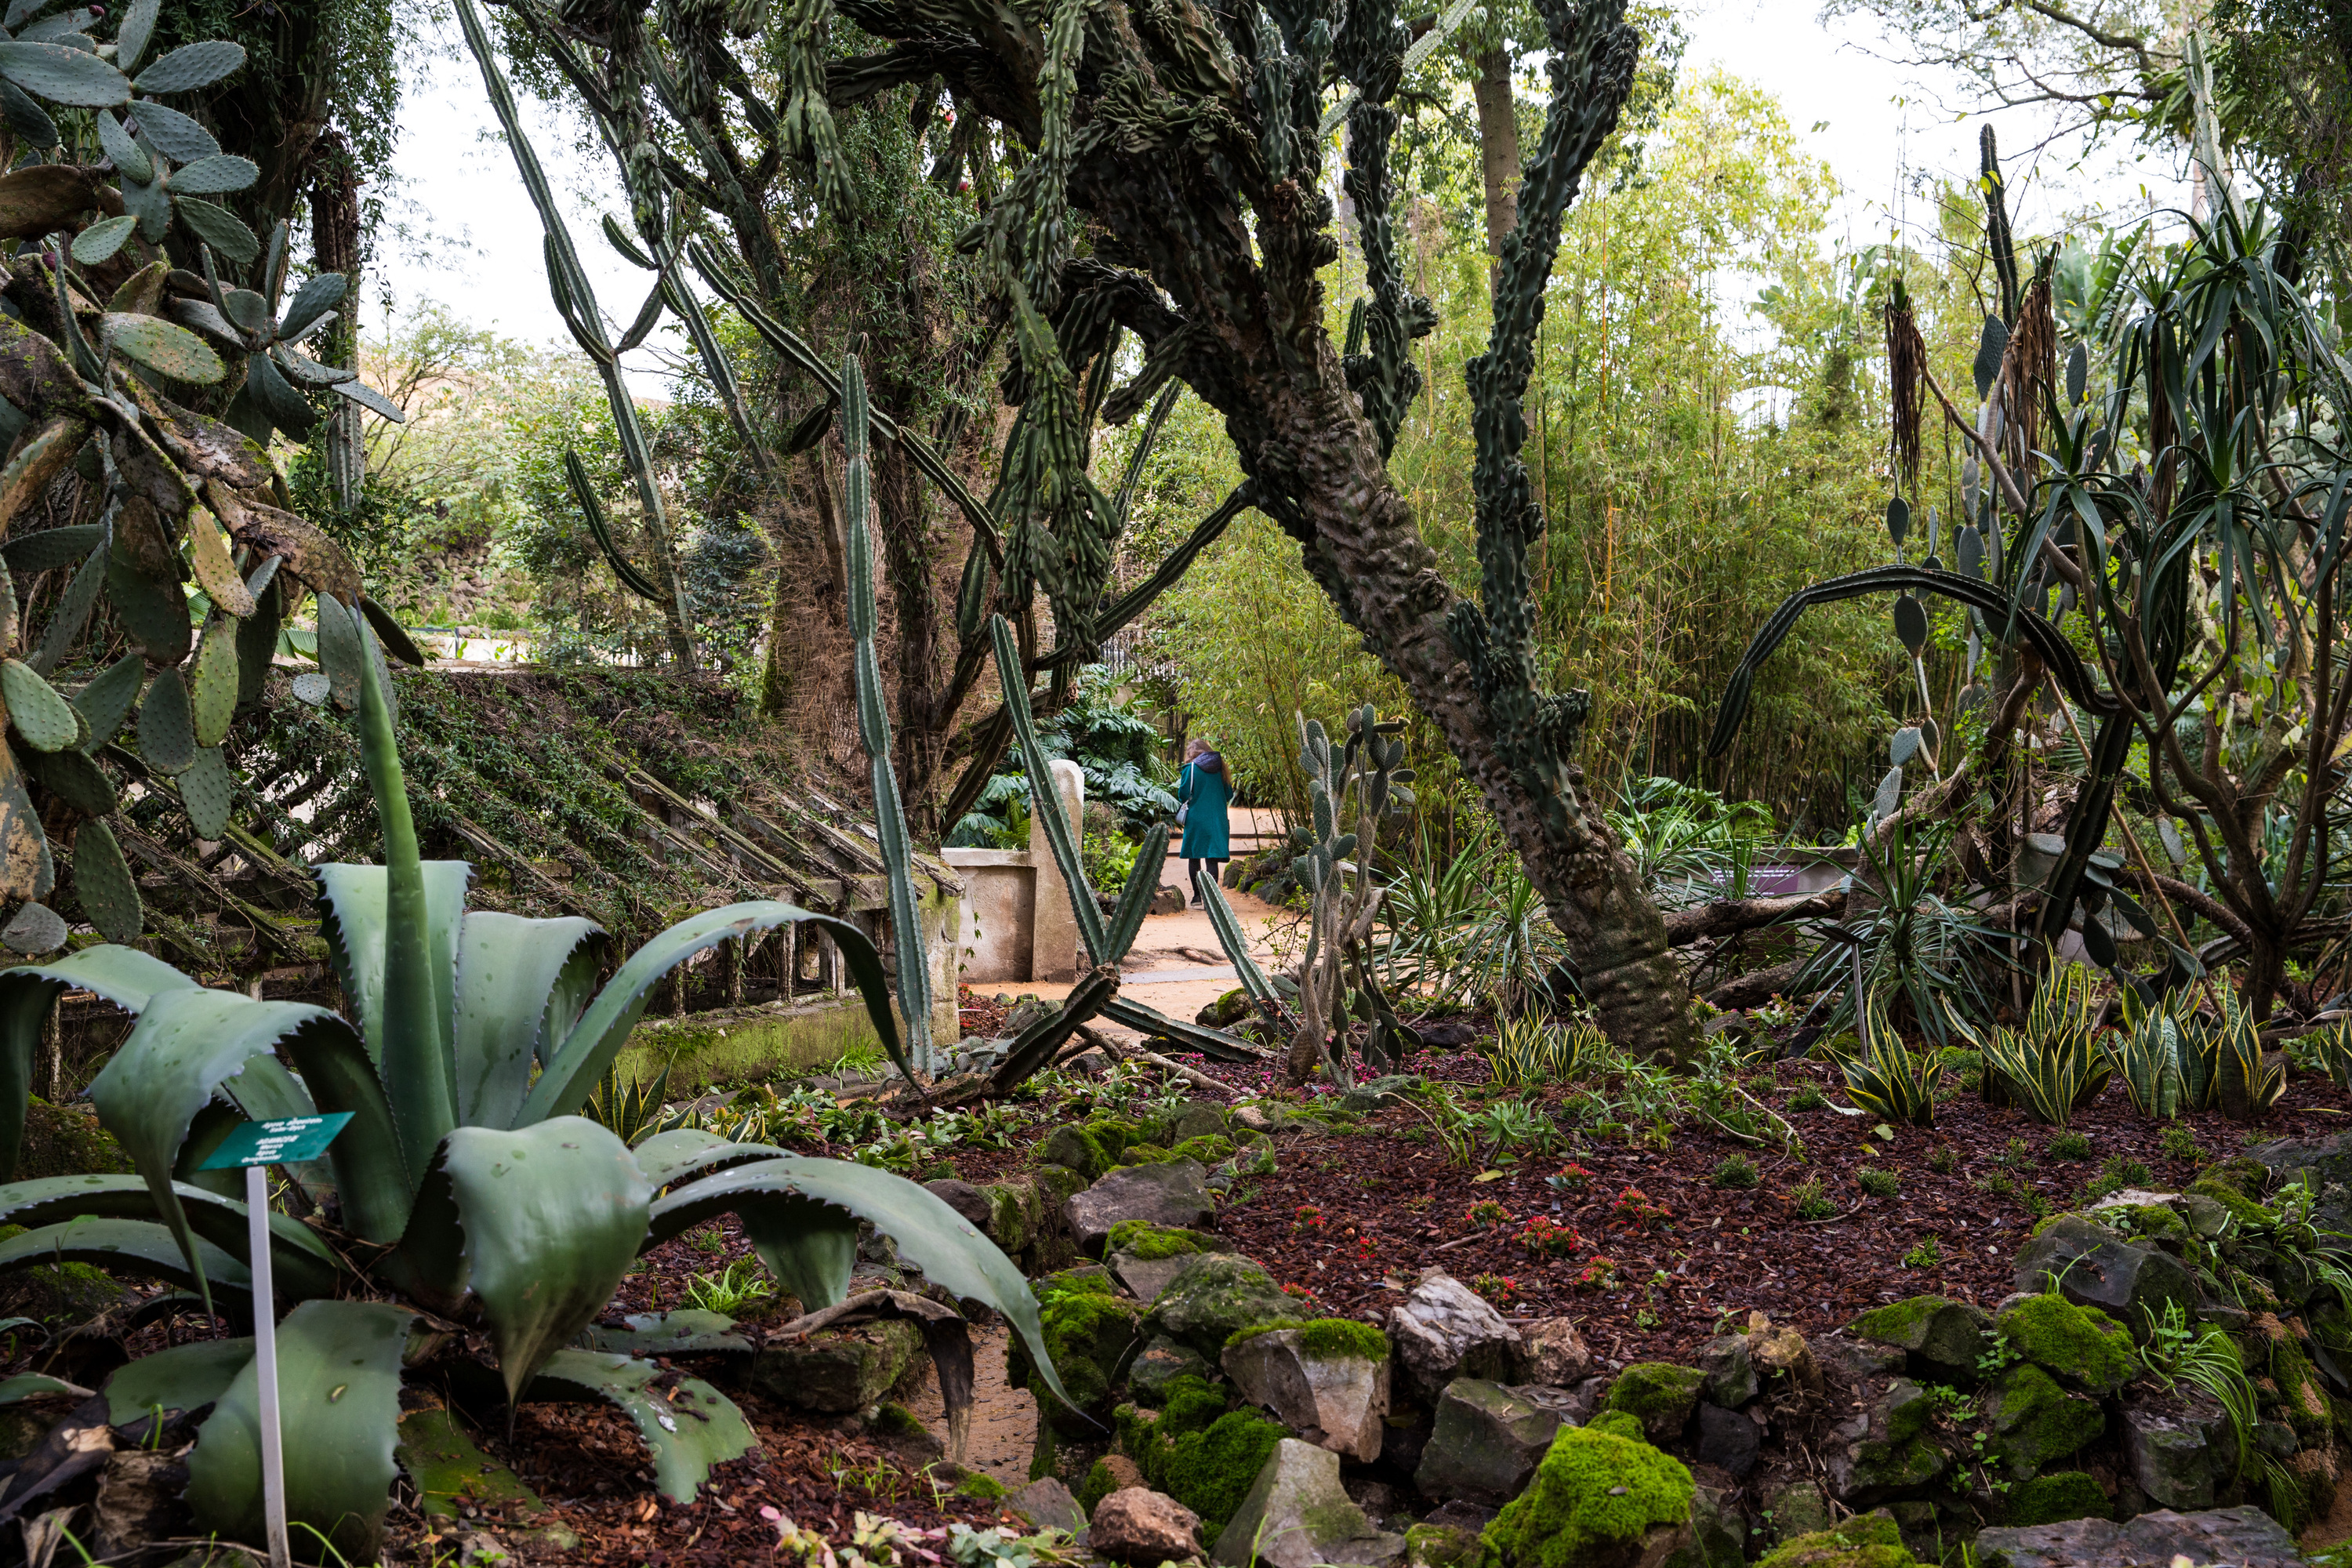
x=466, y=1186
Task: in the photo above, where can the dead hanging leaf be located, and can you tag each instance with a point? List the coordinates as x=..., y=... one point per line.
x=42, y=457
x=150, y=473
x=319, y=561
x=206, y=448
x=35, y=374
x=26, y=870
x=45, y=198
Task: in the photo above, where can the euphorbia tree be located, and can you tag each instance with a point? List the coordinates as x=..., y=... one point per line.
x=464, y=1185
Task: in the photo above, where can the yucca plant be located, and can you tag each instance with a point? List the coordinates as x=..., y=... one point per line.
x=465, y=1184
x=1887, y=1077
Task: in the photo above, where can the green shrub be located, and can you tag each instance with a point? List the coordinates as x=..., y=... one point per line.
x=1876, y=1182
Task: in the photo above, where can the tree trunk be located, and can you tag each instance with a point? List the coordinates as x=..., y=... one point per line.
x=1498, y=144
x=910, y=560
x=335, y=247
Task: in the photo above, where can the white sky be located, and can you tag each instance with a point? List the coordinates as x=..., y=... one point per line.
x=1876, y=124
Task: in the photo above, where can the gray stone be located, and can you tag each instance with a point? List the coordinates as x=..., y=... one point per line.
x=1048, y=1505
x=2244, y=1537
x=1486, y=1443
x=1719, y=1529
x=1797, y=1508
x=1138, y=1525
x=1856, y=1361
x=1727, y=1439
x=1298, y=1516
x=1948, y=1336
x=966, y=1200
x=1159, y=1363
x=2179, y=1457
x=1200, y=1119
x=1444, y=1331
x=1067, y=1147
x=1167, y=900
x=1730, y=1371
x=1881, y=1453
x=2324, y=1164
x=1172, y=1191
x=836, y=1371
x=1212, y=1296
x=1373, y=1094
x=1552, y=1352
x=2097, y=1267
x=1335, y=1402
x=1145, y=1277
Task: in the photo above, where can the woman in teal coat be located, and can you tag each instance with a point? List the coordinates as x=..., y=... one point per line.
x=1204, y=789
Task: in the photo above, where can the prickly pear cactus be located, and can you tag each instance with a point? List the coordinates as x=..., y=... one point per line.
x=148, y=356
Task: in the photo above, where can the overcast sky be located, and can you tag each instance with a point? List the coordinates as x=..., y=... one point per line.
x=1866, y=118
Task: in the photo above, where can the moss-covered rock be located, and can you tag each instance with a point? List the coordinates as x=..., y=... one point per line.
x=2082, y=1345
x=1207, y=1150
x=1075, y=1148
x=1598, y=1497
x=1212, y=1297
x=2064, y=1494
x=1440, y=1546
x=1150, y=1243
x=1088, y=1331
x=66, y=1141
x=2158, y=1222
x=1016, y=1214
x=980, y=1487
x=1659, y=1394
x=1144, y=1154
x=2237, y=1184
x=1948, y=1335
x=1331, y=1337
x=2302, y=1402
x=2035, y=1422
x=1881, y=1452
x=1211, y=1472
x=836, y=1371
x=1865, y=1541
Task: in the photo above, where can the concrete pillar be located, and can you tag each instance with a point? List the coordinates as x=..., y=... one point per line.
x=1055, y=954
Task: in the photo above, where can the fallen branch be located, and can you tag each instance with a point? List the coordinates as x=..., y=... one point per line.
x=1117, y=1052
x=1729, y=917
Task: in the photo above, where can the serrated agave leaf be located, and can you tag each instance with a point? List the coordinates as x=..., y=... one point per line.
x=35, y=928
x=184, y=1377
x=669, y=1157
x=129, y=158
x=164, y=347
x=552, y=1215
x=26, y=118
x=133, y=1247
x=688, y=1429
x=138, y=27
x=306, y=1266
x=76, y=780
x=213, y=700
x=39, y=711
x=103, y=884
x=52, y=547
x=173, y=134
x=215, y=176
x=339, y=1413
x=573, y=1071
x=167, y=729
x=105, y=702
x=75, y=77
x=340, y=656
x=192, y=66
x=320, y=293
x=26, y=869
x=100, y=241
x=511, y=1004
x=218, y=228
x=208, y=792
x=931, y=1236
x=685, y=1332
x=352, y=916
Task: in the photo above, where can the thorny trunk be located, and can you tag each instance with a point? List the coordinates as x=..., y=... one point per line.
x=335, y=247
x=1498, y=144
x=910, y=560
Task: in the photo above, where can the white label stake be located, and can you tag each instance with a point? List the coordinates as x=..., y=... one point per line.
x=265, y=1364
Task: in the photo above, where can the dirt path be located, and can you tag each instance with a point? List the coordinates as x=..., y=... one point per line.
x=1003, y=1419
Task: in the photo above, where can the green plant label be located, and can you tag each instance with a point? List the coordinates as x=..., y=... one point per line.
x=288, y=1141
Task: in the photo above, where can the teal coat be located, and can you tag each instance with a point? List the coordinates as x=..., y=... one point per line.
x=1205, y=792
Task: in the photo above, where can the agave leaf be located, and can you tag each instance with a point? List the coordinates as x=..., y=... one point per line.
x=192, y=66
x=305, y=1265
x=184, y=1377
x=684, y=1332
x=669, y=1157
x=930, y=1236
x=74, y=77
x=552, y=1215
x=122, y=975
x=135, y=1246
x=352, y=918
x=688, y=1428
x=338, y=1411
x=513, y=1004
x=573, y=1071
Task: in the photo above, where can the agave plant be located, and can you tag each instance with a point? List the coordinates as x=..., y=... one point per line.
x=463, y=1187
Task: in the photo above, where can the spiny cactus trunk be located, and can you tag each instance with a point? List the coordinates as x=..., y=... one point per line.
x=1615, y=936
